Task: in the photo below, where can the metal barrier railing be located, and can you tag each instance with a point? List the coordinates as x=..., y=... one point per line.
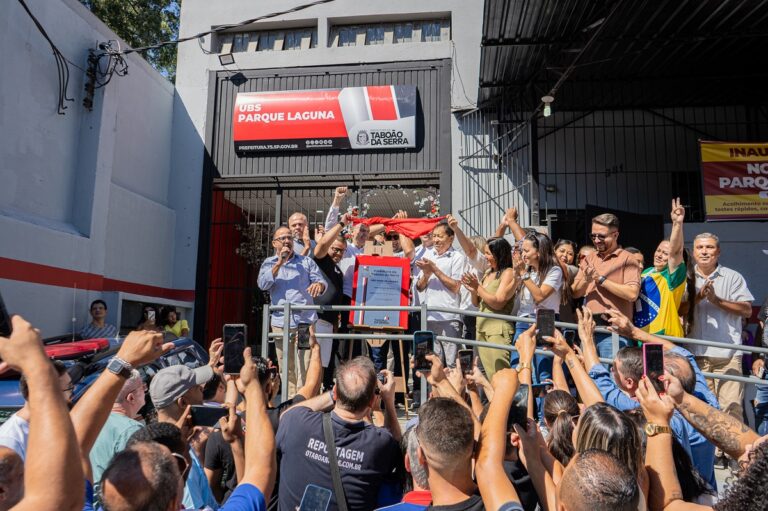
x=424, y=309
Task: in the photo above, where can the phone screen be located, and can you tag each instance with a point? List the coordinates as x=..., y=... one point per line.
x=234, y=343
x=466, y=361
x=207, y=415
x=545, y=324
x=150, y=315
x=302, y=336
x=5, y=320
x=518, y=412
x=653, y=364
x=423, y=344
x=570, y=337
x=315, y=498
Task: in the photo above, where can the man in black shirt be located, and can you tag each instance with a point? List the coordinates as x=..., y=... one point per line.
x=368, y=456
x=328, y=254
x=446, y=438
x=219, y=459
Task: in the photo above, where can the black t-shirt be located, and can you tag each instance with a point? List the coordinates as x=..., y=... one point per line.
x=274, y=413
x=333, y=295
x=218, y=456
x=368, y=457
x=473, y=503
x=523, y=484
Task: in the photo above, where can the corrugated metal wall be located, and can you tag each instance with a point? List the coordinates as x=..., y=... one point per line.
x=495, y=174
x=433, y=152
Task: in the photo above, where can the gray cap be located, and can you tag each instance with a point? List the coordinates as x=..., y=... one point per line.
x=171, y=383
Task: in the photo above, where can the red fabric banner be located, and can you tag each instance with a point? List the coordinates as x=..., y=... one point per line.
x=411, y=227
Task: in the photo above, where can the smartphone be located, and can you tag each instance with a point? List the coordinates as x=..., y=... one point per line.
x=382, y=378
x=302, y=336
x=545, y=325
x=466, y=356
x=234, y=336
x=423, y=345
x=653, y=364
x=207, y=415
x=5, y=320
x=518, y=412
x=151, y=315
x=570, y=337
x=761, y=373
x=315, y=498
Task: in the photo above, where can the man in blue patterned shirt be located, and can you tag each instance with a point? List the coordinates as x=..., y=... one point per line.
x=292, y=278
x=98, y=328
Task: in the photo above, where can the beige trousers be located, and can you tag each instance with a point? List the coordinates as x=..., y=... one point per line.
x=730, y=394
x=298, y=361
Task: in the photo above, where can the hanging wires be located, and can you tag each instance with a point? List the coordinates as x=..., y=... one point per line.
x=223, y=28
x=62, y=64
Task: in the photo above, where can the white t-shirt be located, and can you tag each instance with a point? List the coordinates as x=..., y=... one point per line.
x=453, y=264
x=712, y=323
x=14, y=434
x=553, y=279
x=347, y=267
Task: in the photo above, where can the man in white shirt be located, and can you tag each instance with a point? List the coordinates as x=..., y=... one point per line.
x=439, y=281
x=14, y=432
x=722, y=300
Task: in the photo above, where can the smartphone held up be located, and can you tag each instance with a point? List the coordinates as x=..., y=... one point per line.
x=653, y=365
x=545, y=325
x=423, y=345
x=235, y=338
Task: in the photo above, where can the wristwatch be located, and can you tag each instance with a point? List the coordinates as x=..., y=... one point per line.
x=120, y=367
x=522, y=365
x=652, y=429
x=526, y=276
x=600, y=280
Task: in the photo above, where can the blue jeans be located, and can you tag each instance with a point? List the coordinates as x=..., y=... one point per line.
x=542, y=366
x=605, y=347
x=761, y=418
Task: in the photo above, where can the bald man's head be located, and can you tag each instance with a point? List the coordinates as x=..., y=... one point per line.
x=355, y=384
x=11, y=478
x=598, y=480
x=145, y=477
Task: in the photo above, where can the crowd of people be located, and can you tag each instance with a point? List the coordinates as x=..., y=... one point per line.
x=563, y=430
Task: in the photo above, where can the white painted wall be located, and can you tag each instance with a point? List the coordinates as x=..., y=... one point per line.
x=86, y=191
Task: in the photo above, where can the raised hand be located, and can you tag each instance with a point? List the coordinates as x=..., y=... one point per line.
x=387, y=388
x=142, y=347
x=214, y=352
x=470, y=281
x=586, y=324
x=619, y=323
x=656, y=409
x=558, y=345
x=526, y=344
x=340, y=193
x=511, y=215
x=678, y=211
x=23, y=350
x=231, y=427
x=453, y=222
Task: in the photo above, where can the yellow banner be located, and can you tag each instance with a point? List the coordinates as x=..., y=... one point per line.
x=729, y=151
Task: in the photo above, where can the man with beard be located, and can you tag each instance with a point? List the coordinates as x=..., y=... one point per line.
x=608, y=279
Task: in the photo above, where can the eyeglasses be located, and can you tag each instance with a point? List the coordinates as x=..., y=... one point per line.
x=600, y=237
x=283, y=238
x=182, y=463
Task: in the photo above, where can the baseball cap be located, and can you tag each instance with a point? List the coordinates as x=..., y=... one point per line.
x=171, y=383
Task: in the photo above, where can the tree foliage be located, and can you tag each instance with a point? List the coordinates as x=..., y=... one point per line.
x=143, y=23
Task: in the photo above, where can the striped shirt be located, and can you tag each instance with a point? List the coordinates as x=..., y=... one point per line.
x=91, y=331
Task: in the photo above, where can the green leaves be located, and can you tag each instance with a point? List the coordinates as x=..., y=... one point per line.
x=143, y=23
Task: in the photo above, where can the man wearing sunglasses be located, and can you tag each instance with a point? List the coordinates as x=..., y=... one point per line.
x=608, y=279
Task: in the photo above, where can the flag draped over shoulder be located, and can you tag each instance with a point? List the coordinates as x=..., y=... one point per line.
x=411, y=227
